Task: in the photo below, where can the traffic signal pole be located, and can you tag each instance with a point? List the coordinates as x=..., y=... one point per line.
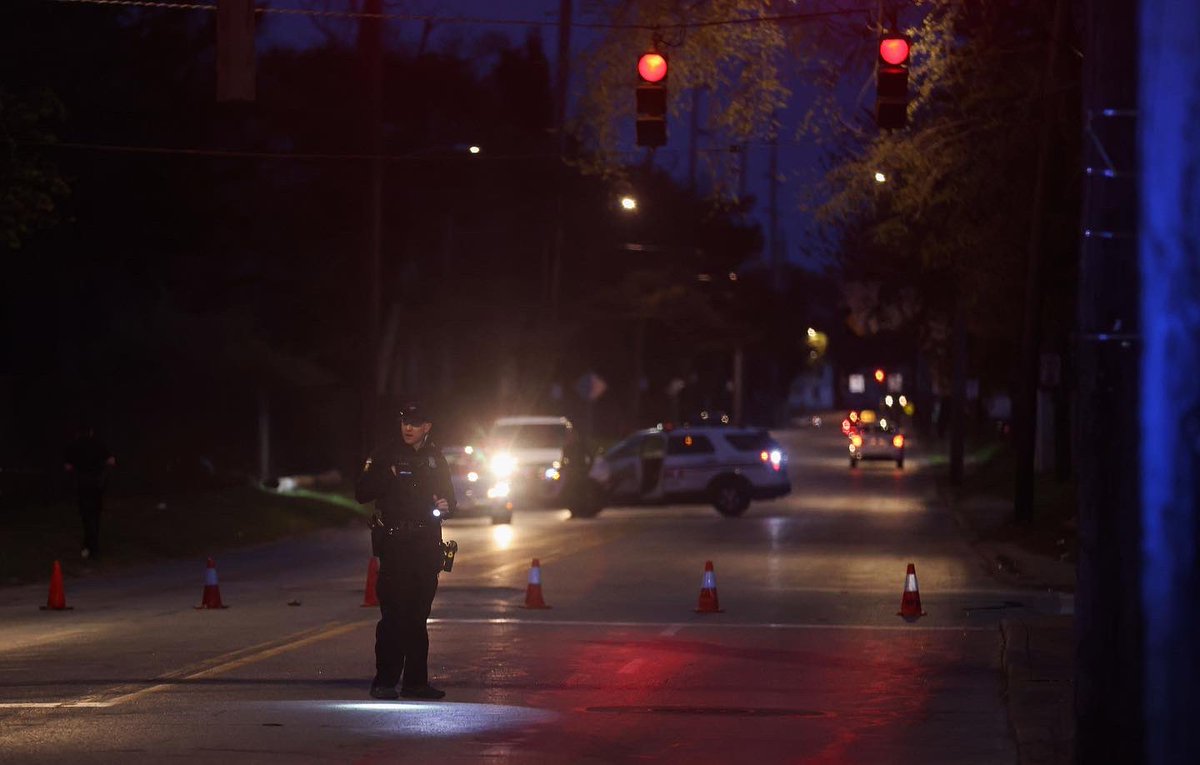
x=370, y=47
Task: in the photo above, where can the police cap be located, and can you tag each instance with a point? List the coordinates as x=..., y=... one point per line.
x=414, y=411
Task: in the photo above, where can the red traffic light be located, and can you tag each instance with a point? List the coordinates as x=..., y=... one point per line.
x=894, y=50
x=652, y=67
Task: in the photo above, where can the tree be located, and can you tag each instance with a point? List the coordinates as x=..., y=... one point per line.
x=953, y=218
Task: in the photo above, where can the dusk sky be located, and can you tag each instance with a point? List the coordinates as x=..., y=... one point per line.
x=798, y=164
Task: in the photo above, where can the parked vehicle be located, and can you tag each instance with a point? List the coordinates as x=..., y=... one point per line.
x=478, y=493
x=727, y=467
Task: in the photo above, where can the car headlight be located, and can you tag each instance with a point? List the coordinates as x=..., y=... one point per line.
x=499, y=491
x=504, y=465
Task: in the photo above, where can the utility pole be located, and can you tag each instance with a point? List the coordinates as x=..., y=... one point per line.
x=1025, y=419
x=693, y=137
x=1109, y=682
x=370, y=47
x=562, y=91
x=773, y=215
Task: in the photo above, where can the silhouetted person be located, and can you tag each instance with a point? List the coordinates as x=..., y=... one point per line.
x=408, y=479
x=576, y=462
x=89, y=460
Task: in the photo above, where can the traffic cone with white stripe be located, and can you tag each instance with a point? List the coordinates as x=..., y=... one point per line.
x=708, y=603
x=533, y=592
x=370, y=598
x=212, y=590
x=910, y=601
x=56, y=600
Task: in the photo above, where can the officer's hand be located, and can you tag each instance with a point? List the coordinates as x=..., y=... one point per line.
x=440, y=503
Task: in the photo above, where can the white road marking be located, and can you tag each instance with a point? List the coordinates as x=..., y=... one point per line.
x=499, y=621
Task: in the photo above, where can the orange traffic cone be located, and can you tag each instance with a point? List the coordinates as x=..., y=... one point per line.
x=708, y=603
x=57, y=599
x=370, y=599
x=212, y=590
x=533, y=593
x=910, y=601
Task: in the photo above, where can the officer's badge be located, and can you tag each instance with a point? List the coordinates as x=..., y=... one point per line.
x=432, y=462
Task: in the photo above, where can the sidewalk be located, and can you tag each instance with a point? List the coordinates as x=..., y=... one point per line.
x=1038, y=649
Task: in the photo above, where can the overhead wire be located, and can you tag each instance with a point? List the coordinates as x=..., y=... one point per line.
x=781, y=18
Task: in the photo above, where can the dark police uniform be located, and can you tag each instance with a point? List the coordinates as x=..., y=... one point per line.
x=89, y=459
x=402, y=481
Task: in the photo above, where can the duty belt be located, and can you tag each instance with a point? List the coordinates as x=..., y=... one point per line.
x=401, y=526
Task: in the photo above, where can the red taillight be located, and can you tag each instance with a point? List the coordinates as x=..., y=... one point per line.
x=898, y=442
x=846, y=427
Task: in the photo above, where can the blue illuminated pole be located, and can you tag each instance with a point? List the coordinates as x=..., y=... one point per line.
x=1169, y=244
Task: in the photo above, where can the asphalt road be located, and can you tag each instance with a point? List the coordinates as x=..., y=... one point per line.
x=809, y=661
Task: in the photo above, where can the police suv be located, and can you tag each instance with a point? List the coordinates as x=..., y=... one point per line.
x=724, y=466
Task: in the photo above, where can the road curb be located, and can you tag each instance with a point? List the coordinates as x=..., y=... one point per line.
x=1037, y=664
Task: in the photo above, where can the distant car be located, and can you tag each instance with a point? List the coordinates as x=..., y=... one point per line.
x=876, y=439
x=527, y=452
x=478, y=493
x=727, y=467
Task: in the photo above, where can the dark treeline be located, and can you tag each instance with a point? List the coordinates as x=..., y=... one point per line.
x=176, y=299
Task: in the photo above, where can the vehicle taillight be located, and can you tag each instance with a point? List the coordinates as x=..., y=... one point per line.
x=856, y=439
x=898, y=442
x=846, y=427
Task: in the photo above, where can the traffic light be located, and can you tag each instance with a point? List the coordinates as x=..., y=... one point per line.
x=652, y=100
x=879, y=375
x=891, y=82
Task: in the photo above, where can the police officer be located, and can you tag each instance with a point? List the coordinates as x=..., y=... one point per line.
x=409, y=481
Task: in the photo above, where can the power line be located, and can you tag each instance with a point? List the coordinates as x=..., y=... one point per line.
x=422, y=156
x=414, y=157
x=478, y=20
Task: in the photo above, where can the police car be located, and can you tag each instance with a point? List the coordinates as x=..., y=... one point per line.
x=727, y=467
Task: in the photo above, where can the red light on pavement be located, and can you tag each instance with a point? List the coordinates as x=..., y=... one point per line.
x=893, y=50
x=652, y=67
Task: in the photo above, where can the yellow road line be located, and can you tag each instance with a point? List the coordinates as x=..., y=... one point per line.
x=240, y=658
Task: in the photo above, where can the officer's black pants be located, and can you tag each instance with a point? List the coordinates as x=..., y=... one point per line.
x=90, y=502
x=408, y=578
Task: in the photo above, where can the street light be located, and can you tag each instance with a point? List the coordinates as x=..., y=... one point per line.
x=880, y=177
x=628, y=203
x=474, y=149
